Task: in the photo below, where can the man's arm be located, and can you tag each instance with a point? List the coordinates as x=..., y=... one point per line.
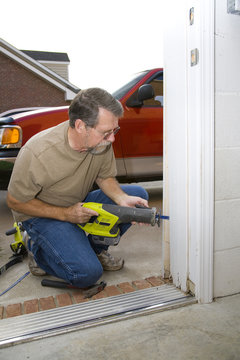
x=37, y=208
x=112, y=189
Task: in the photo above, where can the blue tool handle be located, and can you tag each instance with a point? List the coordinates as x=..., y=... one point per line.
x=164, y=217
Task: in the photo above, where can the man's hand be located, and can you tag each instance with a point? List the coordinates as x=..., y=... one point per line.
x=78, y=214
x=132, y=201
x=111, y=188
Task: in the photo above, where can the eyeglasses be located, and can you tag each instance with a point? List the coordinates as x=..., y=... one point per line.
x=109, y=133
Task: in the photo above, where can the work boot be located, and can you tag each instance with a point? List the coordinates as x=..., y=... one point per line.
x=110, y=263
x=33, y=266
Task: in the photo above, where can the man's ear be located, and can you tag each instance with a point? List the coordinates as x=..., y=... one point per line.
x=79, y=125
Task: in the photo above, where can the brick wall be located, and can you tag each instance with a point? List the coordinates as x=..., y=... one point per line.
x=19, y=87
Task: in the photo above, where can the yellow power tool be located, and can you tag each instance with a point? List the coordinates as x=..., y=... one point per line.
x=104, y=228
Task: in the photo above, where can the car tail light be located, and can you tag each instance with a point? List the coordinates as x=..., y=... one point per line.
x=10, y=136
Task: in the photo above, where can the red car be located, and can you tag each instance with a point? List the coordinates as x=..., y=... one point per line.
x=138, y=146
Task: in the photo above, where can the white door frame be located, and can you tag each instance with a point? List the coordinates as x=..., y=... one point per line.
x=189, y=139
x=205, y=259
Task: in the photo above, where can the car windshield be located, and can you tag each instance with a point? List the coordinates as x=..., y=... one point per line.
x=118, y=94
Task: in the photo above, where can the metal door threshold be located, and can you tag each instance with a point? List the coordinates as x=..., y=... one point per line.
x=92, y=313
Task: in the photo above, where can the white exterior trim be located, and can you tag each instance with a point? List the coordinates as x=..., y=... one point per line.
x=54, y=62
x=69, y=94
x=204, y=286
x=175, y=145
x=189, y=146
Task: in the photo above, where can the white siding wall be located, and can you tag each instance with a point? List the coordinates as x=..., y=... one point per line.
x=227, y=152
x=59, y=68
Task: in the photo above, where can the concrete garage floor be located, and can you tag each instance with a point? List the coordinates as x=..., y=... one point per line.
x=140, y=247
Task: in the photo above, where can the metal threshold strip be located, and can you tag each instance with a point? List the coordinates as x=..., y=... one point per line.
x=73, y=317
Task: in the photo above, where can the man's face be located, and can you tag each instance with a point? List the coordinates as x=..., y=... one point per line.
x=103, y=134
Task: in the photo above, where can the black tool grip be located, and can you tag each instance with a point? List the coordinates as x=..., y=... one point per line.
x=15, y=259
x=87, y=292
x=55, y=283
x=129, y=214
x=11, y=231
x=141, y=207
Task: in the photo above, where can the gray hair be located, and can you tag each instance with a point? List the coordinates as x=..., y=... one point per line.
x=86, y=104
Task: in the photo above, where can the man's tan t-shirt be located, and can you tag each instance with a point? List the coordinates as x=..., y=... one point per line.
x=48, y=169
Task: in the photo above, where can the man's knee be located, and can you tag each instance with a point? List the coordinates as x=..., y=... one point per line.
x=135, y=190
x=142, y=193
x=87, y=275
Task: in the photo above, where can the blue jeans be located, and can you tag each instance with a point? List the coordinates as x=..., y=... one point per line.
x=63, y=250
